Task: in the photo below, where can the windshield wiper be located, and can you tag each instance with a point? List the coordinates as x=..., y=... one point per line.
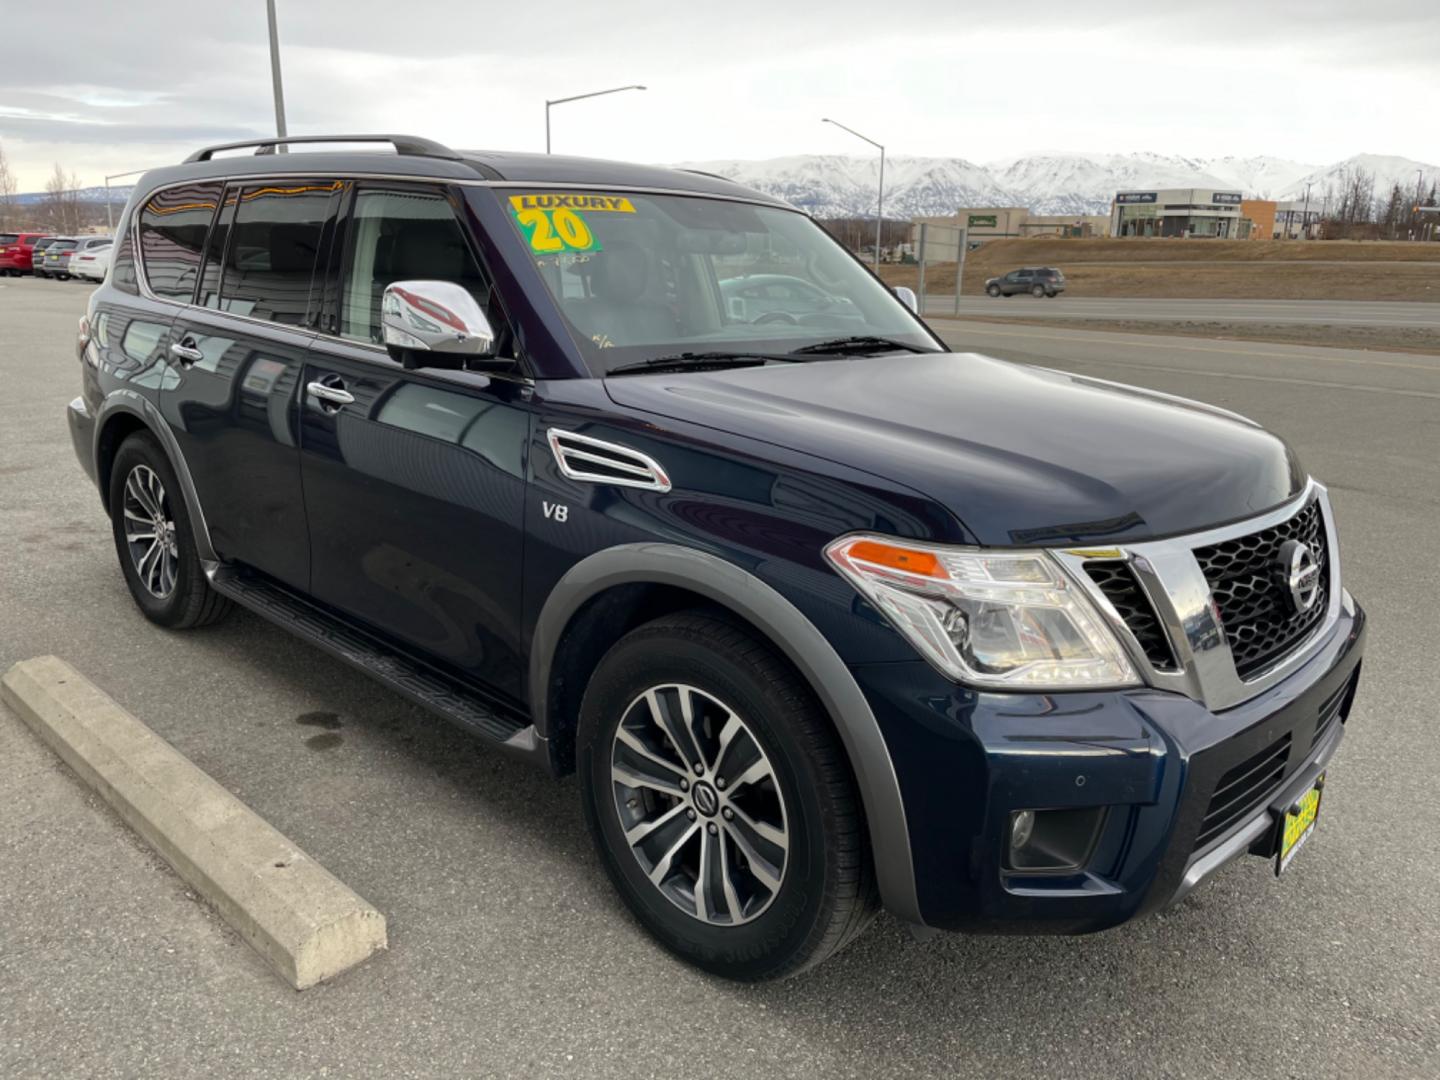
x=859, y=344
x=694, y=361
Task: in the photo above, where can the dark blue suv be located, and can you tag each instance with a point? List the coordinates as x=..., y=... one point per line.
x=825, y=616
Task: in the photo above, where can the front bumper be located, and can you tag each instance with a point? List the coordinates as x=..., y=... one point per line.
x=1164, y=768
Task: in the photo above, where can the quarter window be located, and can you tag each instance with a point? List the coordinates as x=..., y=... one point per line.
x=399, y=236
x=272, y=250
x=172, y=235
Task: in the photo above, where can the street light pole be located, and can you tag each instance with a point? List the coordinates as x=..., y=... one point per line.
x=109, y=214
x=579, y=97
x=880, y=200
x=1305, y=215
x=280, y=129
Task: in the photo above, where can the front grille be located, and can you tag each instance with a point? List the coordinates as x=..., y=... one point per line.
x=1259, y=620
x=1244, y=789
x=1117, y=580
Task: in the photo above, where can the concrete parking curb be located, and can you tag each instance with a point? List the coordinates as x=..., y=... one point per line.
x=303, y=920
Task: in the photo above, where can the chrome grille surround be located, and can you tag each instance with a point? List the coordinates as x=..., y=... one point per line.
x=1176, y=585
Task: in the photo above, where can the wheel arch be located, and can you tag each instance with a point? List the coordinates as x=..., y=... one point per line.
x=121, y=415
x=577, y=625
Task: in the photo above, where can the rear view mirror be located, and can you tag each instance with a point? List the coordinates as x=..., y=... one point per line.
x=907, y=297
x=426, y=323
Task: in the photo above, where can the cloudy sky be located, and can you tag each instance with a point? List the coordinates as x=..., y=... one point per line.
x=103, y=86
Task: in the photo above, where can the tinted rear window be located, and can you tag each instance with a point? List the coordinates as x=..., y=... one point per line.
x=8, y=238
x=173, y=227
x=62, y=245
x=272, y=250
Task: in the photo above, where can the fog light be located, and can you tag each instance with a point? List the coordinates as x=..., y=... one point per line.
x=1022, y=824
x=1053, y=841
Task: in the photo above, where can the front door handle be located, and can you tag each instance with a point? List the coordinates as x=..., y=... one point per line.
x=333, y=396
x=186, y=354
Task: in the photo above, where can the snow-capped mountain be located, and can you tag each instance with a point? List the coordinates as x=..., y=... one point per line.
x=1072, y=183
x=833, y=185
x=1387, y=170
x=94, y=195
x=1263, y=177
x=1046, y=183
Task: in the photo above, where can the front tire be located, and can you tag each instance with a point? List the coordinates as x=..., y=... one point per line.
x=155, y=541
x=1038, y=292
x=721, y=801
x=993, y=290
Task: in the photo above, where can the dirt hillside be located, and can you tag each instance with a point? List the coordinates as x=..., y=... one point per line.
x=1203, y=269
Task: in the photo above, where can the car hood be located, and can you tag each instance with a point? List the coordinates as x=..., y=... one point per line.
x=1020, y=455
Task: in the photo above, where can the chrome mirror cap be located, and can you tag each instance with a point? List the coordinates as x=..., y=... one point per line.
x=435, y=317
x=907, y=297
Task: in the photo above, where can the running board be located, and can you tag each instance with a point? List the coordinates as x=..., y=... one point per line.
x=444, y=696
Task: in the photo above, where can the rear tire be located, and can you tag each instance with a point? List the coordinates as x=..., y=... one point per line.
x=761, y=795
x=155, y=540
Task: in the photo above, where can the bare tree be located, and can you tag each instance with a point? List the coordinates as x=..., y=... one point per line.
x=7, y=193
x=62, y=201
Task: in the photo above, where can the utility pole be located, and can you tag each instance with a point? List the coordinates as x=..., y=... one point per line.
x=880, y=201
x=280, y=128
x=1305, y=214
x=109, y=213
x=579, y=97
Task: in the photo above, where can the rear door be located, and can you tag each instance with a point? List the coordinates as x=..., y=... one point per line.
x=415, y=485
x=232, y=390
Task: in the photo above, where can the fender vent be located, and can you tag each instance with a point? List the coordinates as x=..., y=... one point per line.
x=595, y=462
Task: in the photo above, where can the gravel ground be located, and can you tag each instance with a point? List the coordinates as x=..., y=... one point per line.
x=510, y=956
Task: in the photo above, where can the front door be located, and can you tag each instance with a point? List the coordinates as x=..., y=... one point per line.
x=414, y=480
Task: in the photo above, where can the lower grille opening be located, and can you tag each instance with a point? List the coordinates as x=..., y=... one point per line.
x=1244, y=789
x=1330, y=710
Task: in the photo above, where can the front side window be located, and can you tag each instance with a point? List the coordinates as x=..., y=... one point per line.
x=173, y=226
x=401, y=235
x=272, y=249
x=641, y=276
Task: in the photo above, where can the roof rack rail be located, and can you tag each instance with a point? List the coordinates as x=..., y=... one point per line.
x=407, y=145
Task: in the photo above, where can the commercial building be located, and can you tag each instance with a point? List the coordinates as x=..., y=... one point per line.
x=983, y=223
x=1257, y=219
x=1298, y=219
x=1176, y=212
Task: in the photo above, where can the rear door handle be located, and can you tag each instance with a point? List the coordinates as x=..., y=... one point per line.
x=331, y=395
x=186, y=354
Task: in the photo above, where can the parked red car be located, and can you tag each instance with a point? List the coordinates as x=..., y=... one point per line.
x=16, y=250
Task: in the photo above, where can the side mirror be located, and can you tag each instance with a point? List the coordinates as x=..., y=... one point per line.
x=427, y=323
x=907, y=297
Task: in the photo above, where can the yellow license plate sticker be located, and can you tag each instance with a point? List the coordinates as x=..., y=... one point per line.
x=555, y=222
x=1299, y=823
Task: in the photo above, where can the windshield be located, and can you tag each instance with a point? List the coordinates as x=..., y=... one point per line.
x=644, y=276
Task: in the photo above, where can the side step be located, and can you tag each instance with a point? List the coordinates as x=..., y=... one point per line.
x=428, y=688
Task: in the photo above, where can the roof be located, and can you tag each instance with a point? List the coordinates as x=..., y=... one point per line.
x=423, y=158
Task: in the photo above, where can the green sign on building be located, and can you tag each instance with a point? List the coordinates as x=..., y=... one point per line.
x=981, y=221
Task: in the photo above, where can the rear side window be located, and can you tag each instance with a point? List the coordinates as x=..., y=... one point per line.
x=122, y=265
x=173, y=227
x=9, y=238
x=273, y=246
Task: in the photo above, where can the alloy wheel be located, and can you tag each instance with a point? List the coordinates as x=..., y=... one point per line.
x=700, y=804
x=150, y=531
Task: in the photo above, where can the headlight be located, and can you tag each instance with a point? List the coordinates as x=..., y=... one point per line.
x=994, y=619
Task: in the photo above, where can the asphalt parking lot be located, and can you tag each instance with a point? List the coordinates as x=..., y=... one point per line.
x=509, y=953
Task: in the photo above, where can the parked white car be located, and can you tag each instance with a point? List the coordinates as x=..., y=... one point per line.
x=91, y=263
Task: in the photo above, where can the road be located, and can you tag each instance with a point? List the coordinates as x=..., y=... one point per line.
x=1300, y=312
x=511, y=956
